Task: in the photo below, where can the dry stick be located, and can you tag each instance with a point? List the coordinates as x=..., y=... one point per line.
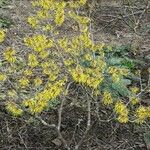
x=23, y=142
x=59, y=124
x=61, y=108
x=129, y=2
x=144, y=11
x=88, y=124
x=97, y=109
x=60, y=120
x=53, y=126
x=118, y=18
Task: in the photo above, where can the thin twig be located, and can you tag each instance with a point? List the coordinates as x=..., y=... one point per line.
x=140, y=18
x=88, y=124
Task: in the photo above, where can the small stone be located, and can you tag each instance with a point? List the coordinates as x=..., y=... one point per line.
x=57, y=142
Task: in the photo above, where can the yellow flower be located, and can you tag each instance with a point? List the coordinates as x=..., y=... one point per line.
x=52, y=77
x=120, y=108
x=68, y=62
x=135, y=90
x=24, y=82
x=88, y=57
x=96, y=92
x=38, y=42
x=48, y=28
x=43, y=54
x=12, y=108
x=117, y=73
x=93, y=82
x=28, y=72
x=77, y=4
x=33, y=21
x=43, y=14
x=32, y=60
x=123, y=118
x=37, y=81
x=98, y=47
x=2, y=35
x=134, y=100
x=3, y=77
x=45, y=64
x=142, y=114
x=12, y=93
x=63, y=43
x=107, y=98
x=59, y=17
x=28, y=103
x=9, y=55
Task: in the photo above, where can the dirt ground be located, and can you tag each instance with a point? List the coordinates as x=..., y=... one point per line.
x=108, y=26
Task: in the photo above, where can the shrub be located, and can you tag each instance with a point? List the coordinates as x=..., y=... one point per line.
x=57, y=60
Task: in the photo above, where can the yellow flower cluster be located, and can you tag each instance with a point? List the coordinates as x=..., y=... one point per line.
x=51, y=69
x=43, y=14
x=27, y=72
x=122, y=111
x=24, y=82
x=12, y=94
x=2, y=35
x=32, y=60
x=3, y=77
x=40, y=101
x=80, y=19
x=64, y=44
x=37, y=81
x=135, y=89
x=89, y=77
x=33, y=21
x=107, y=98
x=76, y=4
x=85, y=40
x=142, y=113
x=49, y=5
x=13, y=109
x=116, y=73
x=69, y=62
x=45, y=4
x=134, y=100
x=59, y=13
x=9, y=55
x=38, y=43
x=48, y=27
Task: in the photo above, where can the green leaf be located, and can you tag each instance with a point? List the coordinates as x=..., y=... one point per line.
x=114, y=61
x=147, y=139
x=5, y=22
x=122, y=48
x=128, y=63
x=121, y=89
x=53, y=103
x=3, y=3
x=126, y=81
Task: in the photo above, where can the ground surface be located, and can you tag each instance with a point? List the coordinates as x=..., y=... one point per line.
x=28, y=134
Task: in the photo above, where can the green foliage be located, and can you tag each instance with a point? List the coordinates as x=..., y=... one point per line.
x=120, y=89
x=53, y=103
x=147, y=139
x=5, y=22
x=118, y=55
x=4, y=3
